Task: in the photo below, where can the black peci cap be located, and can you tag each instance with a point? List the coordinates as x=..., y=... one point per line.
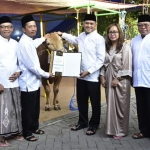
x=89, y=17
x=144, y=18
x=26, y=19
x=5, y=19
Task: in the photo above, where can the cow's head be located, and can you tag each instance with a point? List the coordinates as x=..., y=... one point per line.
x=54, y=42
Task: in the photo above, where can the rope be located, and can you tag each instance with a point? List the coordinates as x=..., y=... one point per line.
x=41, y=52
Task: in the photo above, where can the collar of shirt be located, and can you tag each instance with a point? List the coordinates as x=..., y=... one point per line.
x=27, y=37
x=4, y=39
x=145, y=36
x=91, y=33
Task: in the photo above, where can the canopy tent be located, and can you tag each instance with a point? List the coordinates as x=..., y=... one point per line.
x=51, y=10
x=32, y=6
x=63, y=25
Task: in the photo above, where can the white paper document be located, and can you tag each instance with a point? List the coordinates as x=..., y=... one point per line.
x=66, y=65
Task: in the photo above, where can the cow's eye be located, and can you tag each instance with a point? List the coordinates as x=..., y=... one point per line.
x=48, y=43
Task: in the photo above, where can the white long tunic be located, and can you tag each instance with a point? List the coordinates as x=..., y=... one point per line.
x=92, y=47
x=30, y=79
x=141, y=61
x=8, y=62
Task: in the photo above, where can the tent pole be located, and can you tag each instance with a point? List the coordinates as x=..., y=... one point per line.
x=78, y=21
x=44, y=27
x=73, y=98
x=95, y=12
x=88, y=9
x=41, y=24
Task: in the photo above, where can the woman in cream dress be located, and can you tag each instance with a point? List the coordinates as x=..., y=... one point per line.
x=115, y=78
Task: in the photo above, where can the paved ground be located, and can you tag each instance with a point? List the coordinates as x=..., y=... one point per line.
x=59, y=137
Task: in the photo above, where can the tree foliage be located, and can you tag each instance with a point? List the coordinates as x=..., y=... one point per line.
x=130, y=20
x=104, y=21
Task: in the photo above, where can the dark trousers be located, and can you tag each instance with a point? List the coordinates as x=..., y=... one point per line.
x=143, y=109
x=30, y=111
x=85, y=90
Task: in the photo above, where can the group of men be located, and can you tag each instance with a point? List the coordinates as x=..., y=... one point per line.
x=20, y=71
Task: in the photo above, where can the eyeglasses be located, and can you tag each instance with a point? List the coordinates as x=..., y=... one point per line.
x=143, y=25
x=113, y=32
x=6, y=27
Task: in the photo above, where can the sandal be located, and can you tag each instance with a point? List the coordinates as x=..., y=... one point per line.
x=78, y=127
x=138, y=136
x=91, y=131
x=31, y=138
x=39, y=132
x=17, y=137
x=4, y=143
x=117, y=137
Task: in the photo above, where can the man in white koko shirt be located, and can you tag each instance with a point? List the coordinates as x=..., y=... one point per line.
x=10, y=107
x=30, y=79
x=141, y=75
x=92, y=46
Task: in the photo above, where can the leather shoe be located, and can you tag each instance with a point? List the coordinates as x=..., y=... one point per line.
x=78, y=127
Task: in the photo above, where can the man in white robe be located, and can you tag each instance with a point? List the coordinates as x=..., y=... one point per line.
x=141, y=75
x=30, y=79
x=10, y=107
x=92, y=46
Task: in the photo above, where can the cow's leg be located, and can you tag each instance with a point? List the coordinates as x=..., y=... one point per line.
x=56, y=90
x=47, y=92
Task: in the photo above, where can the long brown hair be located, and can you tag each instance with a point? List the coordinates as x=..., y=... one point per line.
x=120, y=40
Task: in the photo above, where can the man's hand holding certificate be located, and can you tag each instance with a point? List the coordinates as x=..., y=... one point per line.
x=66, y=64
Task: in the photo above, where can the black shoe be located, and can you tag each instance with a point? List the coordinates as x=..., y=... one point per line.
x=78, y=127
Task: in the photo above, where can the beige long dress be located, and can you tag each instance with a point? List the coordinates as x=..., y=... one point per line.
x=118, y=98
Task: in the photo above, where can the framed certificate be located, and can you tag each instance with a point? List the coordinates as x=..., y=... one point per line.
x=66, y=64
